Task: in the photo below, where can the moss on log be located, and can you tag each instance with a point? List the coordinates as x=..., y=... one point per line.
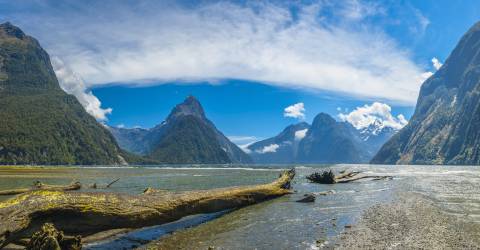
x=79, y=213
x=40, y=186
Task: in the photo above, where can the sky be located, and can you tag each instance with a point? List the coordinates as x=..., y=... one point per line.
x=256, y=66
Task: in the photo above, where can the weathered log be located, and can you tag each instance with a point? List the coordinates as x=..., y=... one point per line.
x=111, y=183
x=328, y=177
x=78, y=213
x=95, y=186
x=40, y=186
x=345, y=174
x=356, y=178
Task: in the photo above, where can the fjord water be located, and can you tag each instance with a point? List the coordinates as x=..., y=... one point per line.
x=280, y=223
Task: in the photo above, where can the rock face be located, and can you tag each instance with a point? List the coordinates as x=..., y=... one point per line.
x=445, y=128
x=186, y=136
x=40, y=123
x=283, y=147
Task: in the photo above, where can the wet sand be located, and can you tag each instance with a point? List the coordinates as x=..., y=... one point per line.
x=410, y=222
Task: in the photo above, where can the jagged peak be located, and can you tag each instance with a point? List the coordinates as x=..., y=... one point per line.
x=9, y=30
x=323, y=118
x=190, y=106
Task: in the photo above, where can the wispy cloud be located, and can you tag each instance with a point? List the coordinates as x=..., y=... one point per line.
x=243, y=141
x=296, y=110
x=240, y=139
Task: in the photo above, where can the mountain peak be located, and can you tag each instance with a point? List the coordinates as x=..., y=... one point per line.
x=323, y=118
x=190, y=106
x=9, y=30
x=25, y=65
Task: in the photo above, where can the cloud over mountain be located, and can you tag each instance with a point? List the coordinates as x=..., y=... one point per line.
x=73, y=84
x=272, y=148
x=290, y=45
x=363, y=116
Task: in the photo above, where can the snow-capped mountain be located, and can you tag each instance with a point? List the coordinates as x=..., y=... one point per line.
x=325, y=141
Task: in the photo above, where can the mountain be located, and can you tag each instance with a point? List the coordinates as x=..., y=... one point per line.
x=131, y=139
x=186, y=136
x=445, y=128
x=325, y=141
x=40, y=123
x=282, y=148
x=375, y=135
x=329, y=141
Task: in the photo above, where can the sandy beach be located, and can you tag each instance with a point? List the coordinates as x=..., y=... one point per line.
x=410, y=222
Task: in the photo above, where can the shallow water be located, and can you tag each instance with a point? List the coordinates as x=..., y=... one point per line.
x=277, y=224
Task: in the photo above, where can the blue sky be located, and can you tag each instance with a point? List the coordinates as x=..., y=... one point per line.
x=130, y=62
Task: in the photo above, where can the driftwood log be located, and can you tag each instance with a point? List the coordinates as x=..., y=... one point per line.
x=40, y=186
x=95, y=186
x=78, y=213
x=328, y=177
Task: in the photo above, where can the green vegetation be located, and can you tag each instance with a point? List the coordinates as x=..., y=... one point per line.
x=189, y=140
x=52, y=128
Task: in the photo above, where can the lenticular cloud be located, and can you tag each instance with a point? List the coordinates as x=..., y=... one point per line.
x=264, y=42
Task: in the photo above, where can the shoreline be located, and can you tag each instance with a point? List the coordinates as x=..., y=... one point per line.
x=411, y=221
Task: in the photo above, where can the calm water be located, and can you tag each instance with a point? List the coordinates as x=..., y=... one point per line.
x=277, y=224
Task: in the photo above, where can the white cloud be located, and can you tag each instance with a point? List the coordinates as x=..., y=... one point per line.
x=243, y=141
x=160, y=41
x=363, y=116
x=73, y=84
x=295, y=111
x=272, y=148
x=436, y=63
x=300, y=134
x=121, y=125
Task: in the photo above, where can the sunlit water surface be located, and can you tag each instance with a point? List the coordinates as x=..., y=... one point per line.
x=277, y=224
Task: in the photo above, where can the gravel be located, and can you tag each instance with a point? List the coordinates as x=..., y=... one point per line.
x=410, y=222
